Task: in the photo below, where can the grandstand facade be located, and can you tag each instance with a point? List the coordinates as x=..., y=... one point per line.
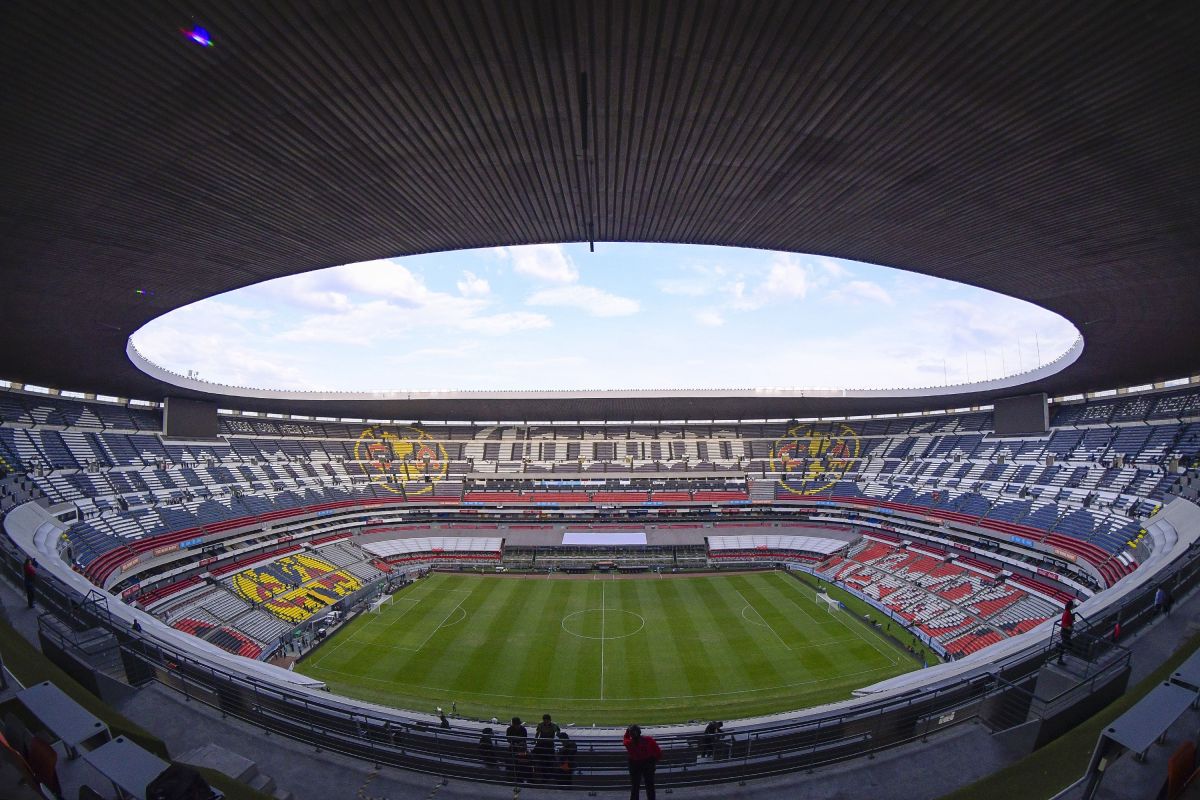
x=967, y=538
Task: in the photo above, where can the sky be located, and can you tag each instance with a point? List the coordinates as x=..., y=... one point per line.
x=629, y=316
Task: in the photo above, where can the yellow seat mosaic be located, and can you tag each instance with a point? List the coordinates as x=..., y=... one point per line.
x=299, y=604
x=296, y=605
x=257, y=586
x=405, y=461
x=340, y=584
x=815, y=457
x=303, y=568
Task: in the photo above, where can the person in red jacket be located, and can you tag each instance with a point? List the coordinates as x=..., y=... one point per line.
x=644, y=754
x=29, y=571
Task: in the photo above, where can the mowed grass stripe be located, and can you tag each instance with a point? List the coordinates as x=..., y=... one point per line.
x=642, y=651
x=808, y=662
x=534, y=673
x=630, y=671
x=696, y=656
x=674, y=644
x=508, y=639
x=446, y=659
x=575, y=662
x=874, y=647
x=747, y=655
x=797, y=617
x=695, y=648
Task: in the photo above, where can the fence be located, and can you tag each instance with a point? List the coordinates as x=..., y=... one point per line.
x=329, y=722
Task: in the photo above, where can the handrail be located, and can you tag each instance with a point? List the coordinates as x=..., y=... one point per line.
x=755, y=748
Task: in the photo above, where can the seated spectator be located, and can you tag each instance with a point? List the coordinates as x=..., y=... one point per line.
x=567, y=749
x=487, y=749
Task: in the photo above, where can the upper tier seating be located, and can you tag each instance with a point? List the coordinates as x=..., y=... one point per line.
x=136, y=494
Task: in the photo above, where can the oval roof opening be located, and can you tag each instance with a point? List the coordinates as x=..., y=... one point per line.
x=628, y=316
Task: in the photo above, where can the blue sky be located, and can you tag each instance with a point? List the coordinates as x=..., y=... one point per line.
x=629, y=316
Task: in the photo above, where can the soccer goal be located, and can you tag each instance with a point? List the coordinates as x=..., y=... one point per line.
x=830, y=604
x=378, y=604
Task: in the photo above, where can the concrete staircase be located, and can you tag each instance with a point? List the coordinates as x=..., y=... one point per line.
x=241, y=769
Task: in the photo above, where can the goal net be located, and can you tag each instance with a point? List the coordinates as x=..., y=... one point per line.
x=830, y=604
x=378, y=604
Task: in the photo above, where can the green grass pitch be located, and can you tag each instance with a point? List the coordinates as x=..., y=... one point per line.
x=597, y=650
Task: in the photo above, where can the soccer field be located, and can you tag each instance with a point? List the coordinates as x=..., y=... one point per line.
x=597, y=650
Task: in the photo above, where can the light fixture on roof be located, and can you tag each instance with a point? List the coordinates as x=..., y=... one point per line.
x=198, y=35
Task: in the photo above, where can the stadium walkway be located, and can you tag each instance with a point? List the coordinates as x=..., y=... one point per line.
x=955, y=758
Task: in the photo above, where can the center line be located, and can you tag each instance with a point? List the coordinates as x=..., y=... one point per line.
x=602, y=640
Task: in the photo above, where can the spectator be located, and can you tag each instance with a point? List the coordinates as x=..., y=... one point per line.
x=566, y=759
x=518, y=754
x=1066, y=628
x=442, y=716
x=1170, y=601
x=29, y=570
x=644, y=754
x=1116, y=632
x=543, y=747
x=1160, y=601
x=487, y=749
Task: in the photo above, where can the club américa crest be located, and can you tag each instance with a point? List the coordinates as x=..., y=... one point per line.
x=392, y=456
x=818, y=458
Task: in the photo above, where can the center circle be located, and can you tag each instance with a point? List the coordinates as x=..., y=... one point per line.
x=606, y=623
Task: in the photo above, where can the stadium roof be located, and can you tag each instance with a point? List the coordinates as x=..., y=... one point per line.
x=1050, y=152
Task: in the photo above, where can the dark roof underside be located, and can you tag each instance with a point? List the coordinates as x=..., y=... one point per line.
x=1046, y=151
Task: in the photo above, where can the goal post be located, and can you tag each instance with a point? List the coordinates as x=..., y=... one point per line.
x=831, y=605
x=378, y=603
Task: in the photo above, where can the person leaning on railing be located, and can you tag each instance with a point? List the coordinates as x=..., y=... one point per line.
x=1065, y=628
x=644, y=754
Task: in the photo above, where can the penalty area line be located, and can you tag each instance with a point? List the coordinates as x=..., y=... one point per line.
x=764, y=619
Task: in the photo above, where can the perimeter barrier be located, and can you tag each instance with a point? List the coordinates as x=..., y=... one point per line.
x=804, y=740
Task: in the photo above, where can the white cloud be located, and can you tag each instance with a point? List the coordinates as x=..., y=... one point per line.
x=697, y=280
x=787, y=277
x=366, y=321
x=688, y=287
x=228, y=312
x=860, y=291
x=507, y=322
x=593, y=301
x=543, y=262
x=710, y=317
x=472, y=285
x=212, y=339
x=832, y=268
x=385, y=279
x=312, y=290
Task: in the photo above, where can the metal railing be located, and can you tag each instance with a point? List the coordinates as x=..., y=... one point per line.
x=381, y=736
